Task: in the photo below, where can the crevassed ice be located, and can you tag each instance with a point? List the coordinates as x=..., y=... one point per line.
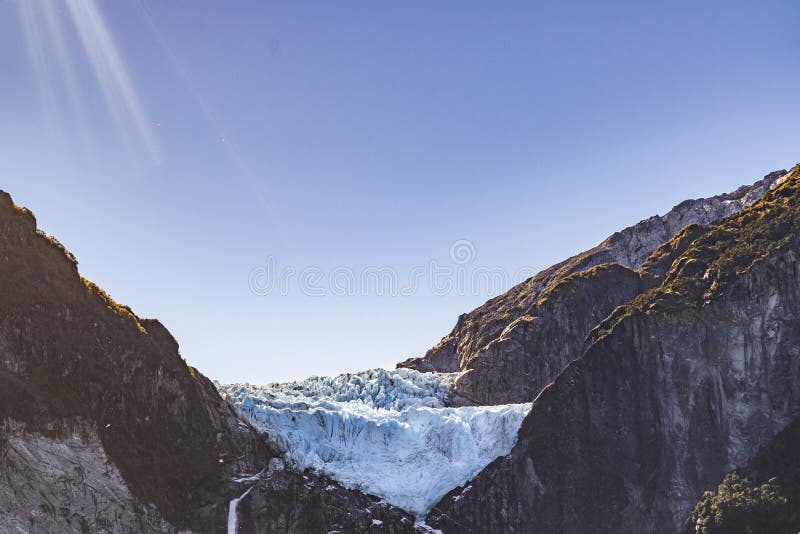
x=384, y=432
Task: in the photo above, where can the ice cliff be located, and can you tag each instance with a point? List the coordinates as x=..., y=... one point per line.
x=387, y=433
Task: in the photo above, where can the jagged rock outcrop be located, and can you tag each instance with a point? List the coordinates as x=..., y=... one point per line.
x=283, y=502
x=515, y=344
x=537, y=346
x=105, y=428
x=675, y=389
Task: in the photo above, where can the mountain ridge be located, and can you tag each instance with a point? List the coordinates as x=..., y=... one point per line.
x=674, y=390
x=529, y=344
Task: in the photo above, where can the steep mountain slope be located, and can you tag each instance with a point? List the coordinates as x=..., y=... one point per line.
x=70, y=353
x=517, y=343
x=675, y=388
x=103, y=426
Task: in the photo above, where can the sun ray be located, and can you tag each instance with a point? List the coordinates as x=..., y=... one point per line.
x=67, y=68
x=34, y=43
x=109, y=69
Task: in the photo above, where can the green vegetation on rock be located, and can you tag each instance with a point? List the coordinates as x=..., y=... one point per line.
x=722, y=253
x=762, y=498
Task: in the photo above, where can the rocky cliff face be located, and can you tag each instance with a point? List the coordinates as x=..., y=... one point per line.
x=674, y=389
x=71, y=355
x=67, y=484
x=515, y=344
x=281, y=501
x=105, y=428
x=536, y=346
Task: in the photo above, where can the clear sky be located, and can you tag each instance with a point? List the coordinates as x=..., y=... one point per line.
x=181, y=148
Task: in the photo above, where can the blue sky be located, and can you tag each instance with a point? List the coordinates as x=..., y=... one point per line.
x=178, y=147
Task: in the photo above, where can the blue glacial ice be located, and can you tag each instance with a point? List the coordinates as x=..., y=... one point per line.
x=387, y=433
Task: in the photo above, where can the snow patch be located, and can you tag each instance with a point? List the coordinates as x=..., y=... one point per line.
x=386, y=433
x=249, y=478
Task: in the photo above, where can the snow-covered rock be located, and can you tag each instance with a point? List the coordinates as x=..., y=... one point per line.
x=387, y=433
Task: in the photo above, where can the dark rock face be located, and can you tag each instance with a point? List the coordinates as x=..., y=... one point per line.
x=536, y=347
x=282, y=501
x=67, y=351
x=103, y=426
x=675, y=389
x=517, y=343
x=67, y=484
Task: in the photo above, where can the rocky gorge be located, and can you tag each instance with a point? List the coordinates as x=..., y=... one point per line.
x=663, y=366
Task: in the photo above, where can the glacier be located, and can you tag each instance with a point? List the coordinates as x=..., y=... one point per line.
x=387, y=433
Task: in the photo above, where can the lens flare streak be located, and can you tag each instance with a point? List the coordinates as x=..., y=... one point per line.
x=47, y=42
